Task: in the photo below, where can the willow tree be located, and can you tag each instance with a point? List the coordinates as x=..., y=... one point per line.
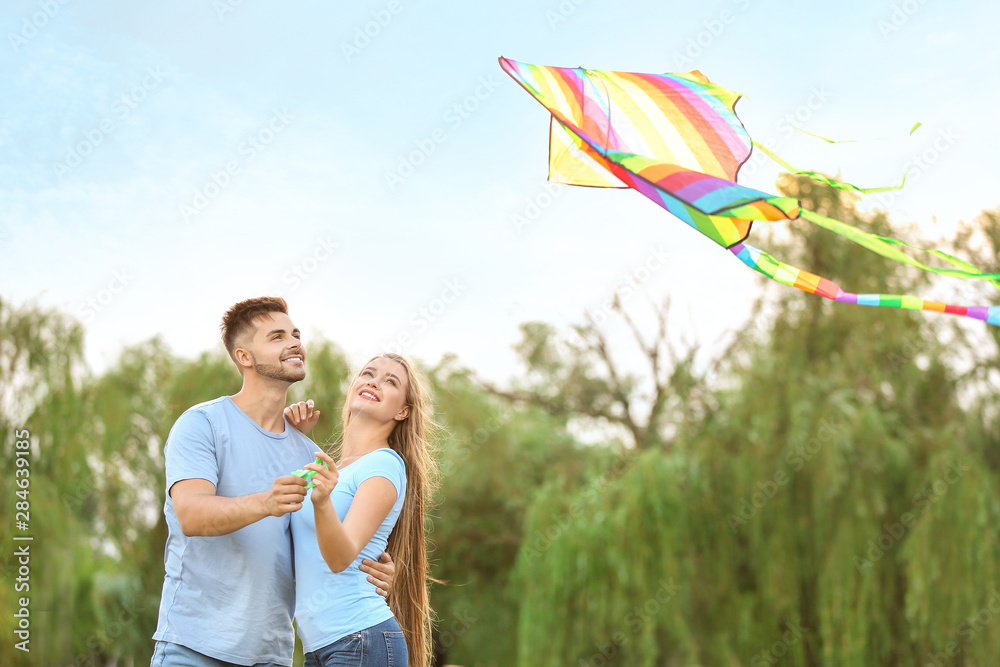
x=831, y=507
x=41, y=370
x=492, y=456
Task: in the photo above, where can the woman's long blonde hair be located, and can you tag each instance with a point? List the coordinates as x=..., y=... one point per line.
x=409, y=599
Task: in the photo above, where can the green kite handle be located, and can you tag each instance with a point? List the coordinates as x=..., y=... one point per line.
x=306, y=474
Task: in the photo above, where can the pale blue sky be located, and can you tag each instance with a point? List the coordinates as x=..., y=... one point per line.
x=310, y=122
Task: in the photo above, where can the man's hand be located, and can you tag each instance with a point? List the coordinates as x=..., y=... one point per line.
x=285, y=495
x=202, y=513
x=301, y=415
x=382, y=573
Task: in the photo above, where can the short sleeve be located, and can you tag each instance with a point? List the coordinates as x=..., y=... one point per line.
x=190, y=450
x=385, y=463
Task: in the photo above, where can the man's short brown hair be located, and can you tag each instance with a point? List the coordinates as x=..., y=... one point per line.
x=240, y=319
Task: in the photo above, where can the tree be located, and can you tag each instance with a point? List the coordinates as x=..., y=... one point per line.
x=492, y=457
x=41, y=370
x=830, y=506
x=581, y=377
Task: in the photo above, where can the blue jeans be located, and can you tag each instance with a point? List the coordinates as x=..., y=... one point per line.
x=168, y=654
x=381, y=645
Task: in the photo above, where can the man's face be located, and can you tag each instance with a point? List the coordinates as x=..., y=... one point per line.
x=277, y=350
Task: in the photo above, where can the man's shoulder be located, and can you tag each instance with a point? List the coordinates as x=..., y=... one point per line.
x=208, y=411
x=300, y=437
x=212, y=406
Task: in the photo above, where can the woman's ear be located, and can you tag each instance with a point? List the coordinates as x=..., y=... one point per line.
x=402, y=414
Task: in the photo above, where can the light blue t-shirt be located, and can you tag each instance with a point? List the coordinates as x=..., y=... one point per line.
x=230, y=597
x=331, y=605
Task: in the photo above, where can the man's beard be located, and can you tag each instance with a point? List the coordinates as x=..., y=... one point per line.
x=278, y=371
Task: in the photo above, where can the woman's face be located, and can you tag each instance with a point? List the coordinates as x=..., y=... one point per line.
x=379, y=391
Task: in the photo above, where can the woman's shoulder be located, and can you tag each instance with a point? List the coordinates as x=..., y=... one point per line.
x=383, y=462
x=385, y=456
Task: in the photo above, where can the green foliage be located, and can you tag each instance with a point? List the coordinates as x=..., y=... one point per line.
x=833, y=507
x=491, y=455
x=826, y=495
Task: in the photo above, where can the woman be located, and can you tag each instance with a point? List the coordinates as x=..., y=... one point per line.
x=371, y=500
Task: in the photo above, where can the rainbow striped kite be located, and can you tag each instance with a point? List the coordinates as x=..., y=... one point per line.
x=676, y=139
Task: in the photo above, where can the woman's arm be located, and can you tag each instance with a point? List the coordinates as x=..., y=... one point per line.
x=341, y=542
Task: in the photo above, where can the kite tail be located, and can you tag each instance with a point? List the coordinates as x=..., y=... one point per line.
x=777, y=270
x=896, y=250
x=820, y=178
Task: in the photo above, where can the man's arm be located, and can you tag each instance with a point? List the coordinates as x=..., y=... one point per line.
x=382, y=573
x=201, y=513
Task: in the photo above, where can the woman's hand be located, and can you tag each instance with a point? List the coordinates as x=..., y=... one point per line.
x=301, y=415
x=324, y=479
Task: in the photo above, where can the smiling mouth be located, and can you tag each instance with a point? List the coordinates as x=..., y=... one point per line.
x=367, y=395
x=297, y=360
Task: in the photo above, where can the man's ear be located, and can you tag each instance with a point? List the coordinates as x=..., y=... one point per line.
x=244, y=358
x=402, y=414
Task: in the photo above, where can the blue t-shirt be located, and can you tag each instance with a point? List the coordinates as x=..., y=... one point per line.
x=331, y=605
x=230, y=597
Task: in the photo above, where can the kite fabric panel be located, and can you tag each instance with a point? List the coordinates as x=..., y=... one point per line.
x=676, y=139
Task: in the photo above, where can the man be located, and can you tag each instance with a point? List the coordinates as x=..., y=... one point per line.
x=228, y=595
